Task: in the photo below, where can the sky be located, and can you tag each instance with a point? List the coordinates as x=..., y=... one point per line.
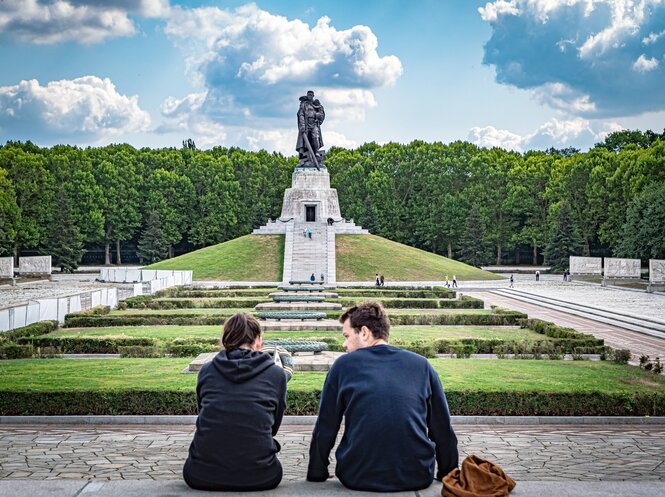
x=519, y=74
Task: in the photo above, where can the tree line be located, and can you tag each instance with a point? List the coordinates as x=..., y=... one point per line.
x=479, y=205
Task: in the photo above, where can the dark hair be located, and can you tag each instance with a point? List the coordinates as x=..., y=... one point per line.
x=240, y=329
x=370, y=314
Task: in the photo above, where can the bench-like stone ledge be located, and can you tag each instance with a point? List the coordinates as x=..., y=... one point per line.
x=176, y=488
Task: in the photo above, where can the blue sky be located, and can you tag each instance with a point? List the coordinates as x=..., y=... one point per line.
x=520, y=74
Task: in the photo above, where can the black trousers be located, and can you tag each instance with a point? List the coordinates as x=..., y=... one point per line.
x=217, y=487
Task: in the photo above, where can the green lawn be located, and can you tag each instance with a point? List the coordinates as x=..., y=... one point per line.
x=231, y=311
x=203, y=312
x=35, y=375
x=360, y=257
x=248, y=258
x=407, y=333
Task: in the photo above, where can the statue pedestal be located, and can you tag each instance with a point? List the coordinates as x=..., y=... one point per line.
x=311, y=201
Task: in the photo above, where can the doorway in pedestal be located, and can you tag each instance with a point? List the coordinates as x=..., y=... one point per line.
x=310, y=213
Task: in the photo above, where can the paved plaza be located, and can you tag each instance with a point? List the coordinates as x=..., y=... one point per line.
x=527, y=453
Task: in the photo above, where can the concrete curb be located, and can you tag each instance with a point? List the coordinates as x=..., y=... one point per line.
x=310, y=420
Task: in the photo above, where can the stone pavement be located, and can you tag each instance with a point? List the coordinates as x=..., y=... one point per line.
x=573, y=453
x=615, y=337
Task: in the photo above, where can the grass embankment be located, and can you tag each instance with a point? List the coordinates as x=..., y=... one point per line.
x=361, y=257
x=508, y=387
x=248, y=258
x=397, y=332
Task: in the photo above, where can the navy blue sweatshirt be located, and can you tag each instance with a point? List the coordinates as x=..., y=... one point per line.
x=241, y=399
x=396, y=418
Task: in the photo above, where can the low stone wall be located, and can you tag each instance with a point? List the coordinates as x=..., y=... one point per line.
x=586, y=265
x=622, y=268
x=657, y=271
x=6, y=267
x=34, y=266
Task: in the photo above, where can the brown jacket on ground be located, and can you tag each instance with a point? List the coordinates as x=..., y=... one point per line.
x=477, y=478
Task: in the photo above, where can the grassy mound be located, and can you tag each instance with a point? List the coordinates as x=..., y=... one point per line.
x=248, y=258
x=360, y=257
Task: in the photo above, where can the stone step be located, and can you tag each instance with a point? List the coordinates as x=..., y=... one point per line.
x=284, y=325
x=298, y=306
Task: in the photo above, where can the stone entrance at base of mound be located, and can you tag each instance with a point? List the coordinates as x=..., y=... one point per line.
x=303, y=361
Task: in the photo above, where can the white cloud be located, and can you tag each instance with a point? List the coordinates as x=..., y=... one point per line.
x=493, y=10
x=652, y=38
x=642, y=64
x=587, y=57
x=84, y=21
x=87, y=108
x=255, y=64
x=578, y=133
x=490, y=137
x=562, y=97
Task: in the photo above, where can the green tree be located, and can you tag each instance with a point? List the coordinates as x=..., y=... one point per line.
x=153, y=245
x=564, y=239
x=64, y=241
x=9, y=215
x=33, y=186
x=643, y=234
x=474, y=249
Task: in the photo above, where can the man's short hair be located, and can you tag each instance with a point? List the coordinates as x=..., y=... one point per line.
x=370, y=314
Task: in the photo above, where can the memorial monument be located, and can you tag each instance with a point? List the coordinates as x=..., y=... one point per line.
x=310, y=216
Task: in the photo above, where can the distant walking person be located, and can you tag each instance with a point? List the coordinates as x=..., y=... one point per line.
x=446, y=282
x=313, y=278
x=377, y=280
x=537, y=275
x=309, y=232
x=565, y=275
x=454, y=281
x=322, y=277
x=304, y=233
x=512, y=281
x=382, y=280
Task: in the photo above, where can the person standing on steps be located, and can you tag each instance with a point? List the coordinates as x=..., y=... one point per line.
x=537, y=275
x=512, y=280
x=312, y=278
x=309, y=232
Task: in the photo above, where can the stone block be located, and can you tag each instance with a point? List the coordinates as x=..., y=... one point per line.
x=6, y=267
x=657, y=270
x=39, y=265
x=586, y=265
x=622, y=268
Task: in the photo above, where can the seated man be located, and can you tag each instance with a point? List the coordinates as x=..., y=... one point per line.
x=397, y=422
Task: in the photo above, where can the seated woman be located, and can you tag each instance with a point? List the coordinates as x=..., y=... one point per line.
x=241, y=396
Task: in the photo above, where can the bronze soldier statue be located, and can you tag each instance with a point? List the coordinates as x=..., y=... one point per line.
x=310, y=116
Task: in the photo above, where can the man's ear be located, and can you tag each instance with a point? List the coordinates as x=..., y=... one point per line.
x=366, y=333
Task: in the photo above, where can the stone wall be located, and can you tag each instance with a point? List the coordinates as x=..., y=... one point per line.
x=39, y=265
x=6, y=267
x=586, y=265
x=622, y=268
x=657, y=270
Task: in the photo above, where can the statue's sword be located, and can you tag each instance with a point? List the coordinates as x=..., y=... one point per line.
x=312, y=157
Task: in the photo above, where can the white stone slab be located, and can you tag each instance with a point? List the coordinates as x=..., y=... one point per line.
x=622, y=268
x=4, y=320
x=38, y=265
x=586, y=265
x=6, y=267
x=657, y=270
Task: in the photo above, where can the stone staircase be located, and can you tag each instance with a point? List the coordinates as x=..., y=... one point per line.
x=307, y=255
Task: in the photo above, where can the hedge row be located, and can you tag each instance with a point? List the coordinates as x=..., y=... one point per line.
x=35, y=329
x=193, y=303
x=87, y=345
x=504, y=319
x=554, y=331
x=401, y=294
x=197, y=294
x=467, y=403
x=463, y=302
